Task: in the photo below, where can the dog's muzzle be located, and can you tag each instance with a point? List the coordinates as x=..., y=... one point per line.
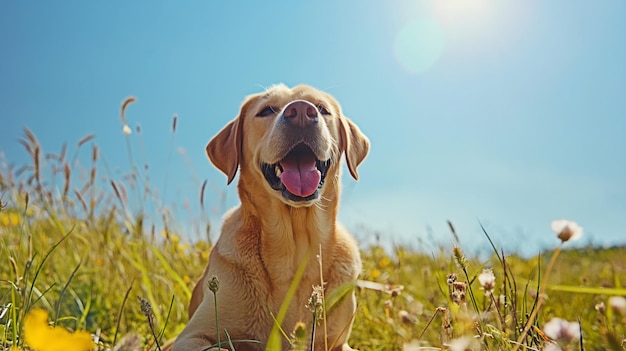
x=299, y=175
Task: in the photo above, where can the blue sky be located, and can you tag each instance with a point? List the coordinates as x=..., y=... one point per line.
x=511, y=113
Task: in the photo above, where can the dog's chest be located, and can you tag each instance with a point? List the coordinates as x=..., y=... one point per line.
x=301, y=303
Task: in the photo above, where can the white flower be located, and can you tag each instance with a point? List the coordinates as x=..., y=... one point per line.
x=462, y=344
x=561, y=330
x=126, y=130
x=566, y=230
x=552, y=347
x=618, y=304
x=487, y=280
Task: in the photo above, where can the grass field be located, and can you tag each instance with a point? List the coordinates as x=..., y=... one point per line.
x=71, y=246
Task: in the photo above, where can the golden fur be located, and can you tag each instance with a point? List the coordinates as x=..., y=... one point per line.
x=263, y=240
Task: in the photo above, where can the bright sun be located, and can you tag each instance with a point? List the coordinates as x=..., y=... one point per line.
x=420, y=42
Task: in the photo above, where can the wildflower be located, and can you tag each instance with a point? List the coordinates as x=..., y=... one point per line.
x=618, y=304
x=566, y=230
x=451, y=278
x=600, y=307
x=552, y=347
x=384, y=262
x=561, y=330
x=487, y=280
x=126, y=130
x=457, y=295
x=9, y=219
x=394, y=290
x=129, y=342
x=462, y=344
x=460, y=286
x=41, y=337
x=406, y=317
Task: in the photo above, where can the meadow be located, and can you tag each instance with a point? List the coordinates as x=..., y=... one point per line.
x=77, y=255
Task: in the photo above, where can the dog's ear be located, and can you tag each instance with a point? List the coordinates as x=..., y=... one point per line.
x=354, y=143
x=224, y=149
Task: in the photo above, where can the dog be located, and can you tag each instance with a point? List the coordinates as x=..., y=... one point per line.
x=287, y=144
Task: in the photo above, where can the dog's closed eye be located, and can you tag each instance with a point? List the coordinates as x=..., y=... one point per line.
x=323, y=109
x=267, y=111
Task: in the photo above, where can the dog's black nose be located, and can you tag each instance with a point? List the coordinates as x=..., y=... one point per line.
x=300, y=113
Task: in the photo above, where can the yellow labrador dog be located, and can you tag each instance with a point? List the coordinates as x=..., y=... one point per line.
x=287, y=145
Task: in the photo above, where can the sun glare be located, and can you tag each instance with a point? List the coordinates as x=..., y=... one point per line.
x=458, y=27
x=418, y=45
x=462, y=12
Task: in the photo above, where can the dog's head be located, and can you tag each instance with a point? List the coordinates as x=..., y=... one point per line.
x=292, y=140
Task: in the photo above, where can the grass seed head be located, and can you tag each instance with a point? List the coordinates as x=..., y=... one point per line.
x=214, y=284
x=316, y=301
x=146, y=308
x=299, y=330
x=459, y=257
x=174, y=123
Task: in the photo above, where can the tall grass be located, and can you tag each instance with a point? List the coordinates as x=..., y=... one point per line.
x=72, y=243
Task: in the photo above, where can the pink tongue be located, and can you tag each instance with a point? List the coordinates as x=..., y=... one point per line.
x=300, y=175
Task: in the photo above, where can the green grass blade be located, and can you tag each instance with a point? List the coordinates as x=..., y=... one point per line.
x=589, y=290
x=274, y=340
x=45, y=257
x=172, y=273
x=167, y=318
x=62, y=293
x=338, y=294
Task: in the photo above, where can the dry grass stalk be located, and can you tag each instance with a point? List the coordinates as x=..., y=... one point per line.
x=80, y=198
x=66, y=174
x=202, y=194
x=125, y=104
x=85, y=139
x=174, y=121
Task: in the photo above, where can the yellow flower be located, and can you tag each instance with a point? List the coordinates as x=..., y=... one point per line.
x=375, y=273
x=9, y=219
x=39, y=336
x=384, y=262
x=204, y=255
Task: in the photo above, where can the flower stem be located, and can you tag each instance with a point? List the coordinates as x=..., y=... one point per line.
x=541, y=297
x=217, y=328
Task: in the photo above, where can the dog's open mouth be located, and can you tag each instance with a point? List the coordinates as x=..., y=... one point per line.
x=299, y=175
